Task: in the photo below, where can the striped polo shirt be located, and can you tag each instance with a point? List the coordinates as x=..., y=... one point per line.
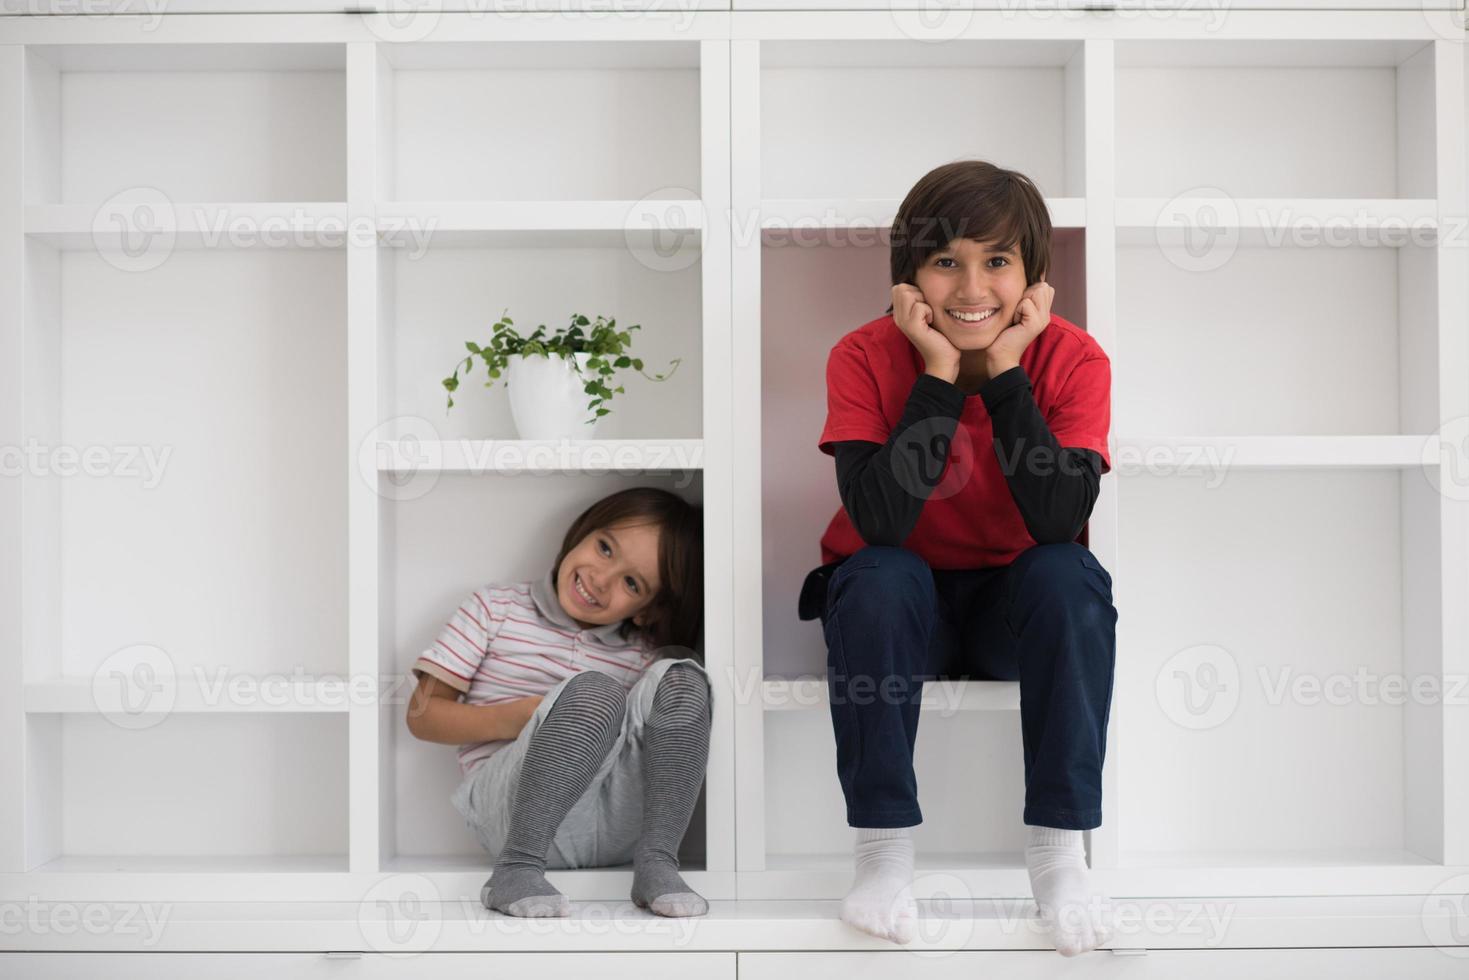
x=513, y=641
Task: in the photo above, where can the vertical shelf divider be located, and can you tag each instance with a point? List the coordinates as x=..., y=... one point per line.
x=365, y=841
x=1452, y=257
x=1097, y=78
x=15, y=798
x=718, y=433
x=747, y=629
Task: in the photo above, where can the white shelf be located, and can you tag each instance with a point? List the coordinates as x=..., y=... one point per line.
x=131, y=221
x=775, y=925
x=507, y=456
x=1392, y=222
x=194, y=864
x=878, y=213
x=943, y=696
x=645, y=215
x=1275, y=859
x=1192, y=453
x=224, y=694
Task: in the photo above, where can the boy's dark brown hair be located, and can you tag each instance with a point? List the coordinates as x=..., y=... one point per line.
x=971, y=199
x=675, y=617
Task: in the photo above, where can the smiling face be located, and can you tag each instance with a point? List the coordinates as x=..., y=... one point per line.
x=618, y=567
x=969, y=277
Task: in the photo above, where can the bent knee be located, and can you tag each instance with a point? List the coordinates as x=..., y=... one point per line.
x=595, y=692
x=883, y=569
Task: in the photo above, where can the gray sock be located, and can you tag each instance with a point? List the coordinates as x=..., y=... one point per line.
x=560, y=761
x=675, y=753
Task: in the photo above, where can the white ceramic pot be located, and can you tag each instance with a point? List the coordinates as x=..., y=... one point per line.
x=546, y=397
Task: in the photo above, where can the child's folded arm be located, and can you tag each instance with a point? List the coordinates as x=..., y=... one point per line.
x=1054, y=487
x=435, y=713
x=884, y=487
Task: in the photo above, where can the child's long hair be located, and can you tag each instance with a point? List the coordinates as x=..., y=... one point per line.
x=675, y=617
x=970, y=199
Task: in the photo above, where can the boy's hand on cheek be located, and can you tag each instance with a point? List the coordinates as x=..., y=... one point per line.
x=914, y=317
x=1032, y=314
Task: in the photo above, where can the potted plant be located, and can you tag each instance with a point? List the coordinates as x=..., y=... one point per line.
x=547, y=376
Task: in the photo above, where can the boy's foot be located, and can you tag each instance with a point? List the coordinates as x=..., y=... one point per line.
x=1059, y=879
x=881, y=899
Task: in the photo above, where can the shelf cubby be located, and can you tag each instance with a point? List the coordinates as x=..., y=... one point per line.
x=467, y=122
x=1354, y=324
x=242, y=793
x=1018, y=104
x=193, y=122
x=209, y=389
x=1275, y=118
x=1255, y=687
x=438, y=297
x=437, y=546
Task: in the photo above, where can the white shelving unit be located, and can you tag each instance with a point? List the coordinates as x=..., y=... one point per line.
x=257, y=243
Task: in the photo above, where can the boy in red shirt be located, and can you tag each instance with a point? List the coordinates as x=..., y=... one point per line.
x=969, y=428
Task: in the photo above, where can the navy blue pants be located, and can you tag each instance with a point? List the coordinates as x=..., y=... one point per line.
x=1046, y=620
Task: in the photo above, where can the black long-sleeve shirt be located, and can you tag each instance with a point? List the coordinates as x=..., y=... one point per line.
x=884, y=486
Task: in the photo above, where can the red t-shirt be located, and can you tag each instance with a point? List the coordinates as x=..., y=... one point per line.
x=970, y=520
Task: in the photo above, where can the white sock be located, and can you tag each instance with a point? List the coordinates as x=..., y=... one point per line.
x=1059, y=880
x=881, y=899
